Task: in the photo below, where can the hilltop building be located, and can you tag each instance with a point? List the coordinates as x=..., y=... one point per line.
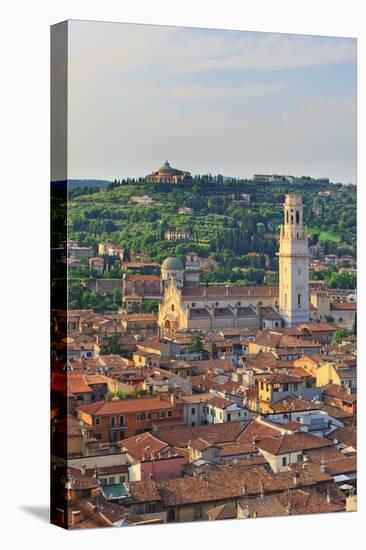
x=168, y=174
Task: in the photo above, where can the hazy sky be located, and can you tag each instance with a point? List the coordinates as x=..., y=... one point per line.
x=229, y=102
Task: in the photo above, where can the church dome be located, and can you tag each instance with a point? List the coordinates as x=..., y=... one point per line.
x=167, y=169
x=172, y=264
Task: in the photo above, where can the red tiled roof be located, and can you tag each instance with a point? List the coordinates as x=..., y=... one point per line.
x=344, y=306
x=154, y=278
x=180, y=436
x=333, y=390
x=294, y=404
x=121, y=406
x=299, y=441
x=231, y=291
x=143, y=445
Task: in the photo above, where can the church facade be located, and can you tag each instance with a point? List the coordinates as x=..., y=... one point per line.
x=188, y=306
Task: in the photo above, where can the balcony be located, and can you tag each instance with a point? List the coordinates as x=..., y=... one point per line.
x=118, y=426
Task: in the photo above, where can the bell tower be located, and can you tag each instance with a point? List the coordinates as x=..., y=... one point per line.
x=294, y=264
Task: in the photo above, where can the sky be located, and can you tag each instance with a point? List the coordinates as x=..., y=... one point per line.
x=209, y=101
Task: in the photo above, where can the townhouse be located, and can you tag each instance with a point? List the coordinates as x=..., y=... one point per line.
x=113, y=421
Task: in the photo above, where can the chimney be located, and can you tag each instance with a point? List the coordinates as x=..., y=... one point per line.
x=328, y=494
x=172, y=399
x=83, y=469
x=296, y=479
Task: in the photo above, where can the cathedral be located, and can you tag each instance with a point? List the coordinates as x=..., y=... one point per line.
x=188, y=306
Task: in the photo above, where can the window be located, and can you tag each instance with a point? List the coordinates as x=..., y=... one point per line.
x=104, y=481
x=193, y=304
x=299, y=300
x=199, y=511
x=121, y=420
x=150, y=508
x=297, y=216
x=97, y=420
x=112, y=421
x=121, y=434
x=284, y=461
x=286, y=216
x=171, y=514
x=193, y=424
x=172, y=307
x=111, y=481
x=122, y=479
x=193, y=410
x=98, y=436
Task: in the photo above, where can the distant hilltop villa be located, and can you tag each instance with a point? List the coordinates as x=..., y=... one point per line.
x=168, y=174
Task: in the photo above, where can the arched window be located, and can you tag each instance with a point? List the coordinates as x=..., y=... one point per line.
x=299, y=300
x=297, y=216
x=172, y=307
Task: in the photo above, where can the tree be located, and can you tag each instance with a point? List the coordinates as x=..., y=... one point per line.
x=342, y=280
x=196, y=345
x=150, y=306
x=117, y=296
x=340, y=335
x=112, y=345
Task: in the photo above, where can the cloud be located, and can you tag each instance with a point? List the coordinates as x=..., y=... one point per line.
x=273, y=52
x=219, y=101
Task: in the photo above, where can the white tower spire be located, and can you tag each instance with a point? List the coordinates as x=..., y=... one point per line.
x=294, y=264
